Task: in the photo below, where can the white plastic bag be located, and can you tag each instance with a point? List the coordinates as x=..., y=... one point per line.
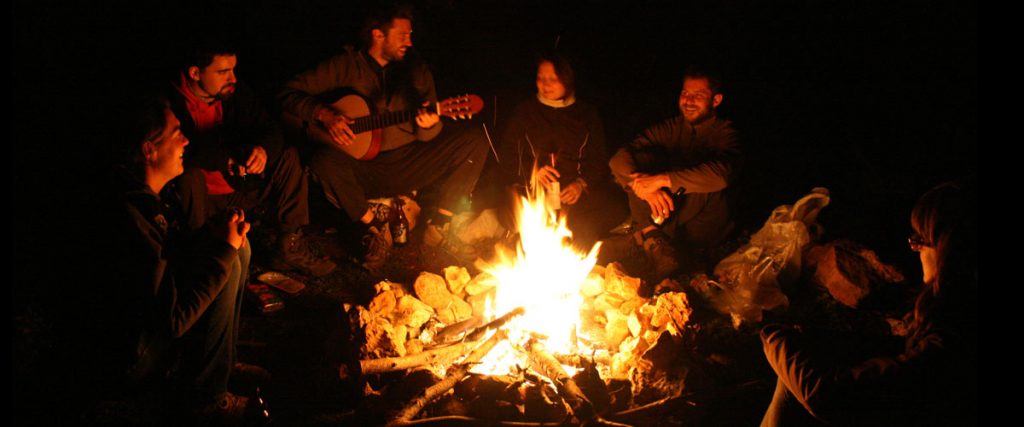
x=749, y=278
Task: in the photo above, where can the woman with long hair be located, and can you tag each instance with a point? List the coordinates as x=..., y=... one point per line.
x=933, y=381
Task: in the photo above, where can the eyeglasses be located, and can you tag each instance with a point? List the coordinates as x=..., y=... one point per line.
x=916, y=242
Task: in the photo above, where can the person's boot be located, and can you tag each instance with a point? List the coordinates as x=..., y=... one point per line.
x=441, y=235
x=619, y=247
x=249, y=372
x=662, y=254
x=228, y=409
x=294, y=254
x=378, y=243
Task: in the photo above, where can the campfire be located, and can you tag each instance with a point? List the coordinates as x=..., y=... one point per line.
x=542, y=334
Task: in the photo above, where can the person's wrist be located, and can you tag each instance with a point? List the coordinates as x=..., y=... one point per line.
x=321, y=115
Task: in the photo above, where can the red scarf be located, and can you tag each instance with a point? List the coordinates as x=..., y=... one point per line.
x=206, y=117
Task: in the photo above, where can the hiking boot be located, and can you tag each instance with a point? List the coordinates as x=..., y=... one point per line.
x=388, y=212
x=662, y=254
x=433, y=236
x=378, y=244
x=442, y=237
x=250, y=373
x=226, y=409
x=294, y=254
x=619, y=247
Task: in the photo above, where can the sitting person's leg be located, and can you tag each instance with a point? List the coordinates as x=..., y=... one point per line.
x=286, y=195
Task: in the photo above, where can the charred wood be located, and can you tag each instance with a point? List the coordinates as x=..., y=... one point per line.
x=455, y=375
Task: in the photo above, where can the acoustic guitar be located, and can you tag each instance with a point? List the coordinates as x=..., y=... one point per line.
x=371, y=129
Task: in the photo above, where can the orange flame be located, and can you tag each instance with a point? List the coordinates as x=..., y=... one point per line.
x=543, y=275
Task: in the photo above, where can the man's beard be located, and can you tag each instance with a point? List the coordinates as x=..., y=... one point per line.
x=224, y=93
x=701, y=118
x=220, y=95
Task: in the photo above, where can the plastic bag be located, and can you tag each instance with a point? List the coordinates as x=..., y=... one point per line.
x=749, y=279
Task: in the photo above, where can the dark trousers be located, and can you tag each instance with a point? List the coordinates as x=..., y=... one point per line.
x=451, y=162
x=282, y=189
x=699, y=219
x=209, y=347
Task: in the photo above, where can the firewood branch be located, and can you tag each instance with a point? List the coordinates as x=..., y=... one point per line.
x=455, y=375
x=479, y=333
x=544, y=363
x=440, y=355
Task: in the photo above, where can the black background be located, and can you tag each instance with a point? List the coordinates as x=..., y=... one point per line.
x=877, y=101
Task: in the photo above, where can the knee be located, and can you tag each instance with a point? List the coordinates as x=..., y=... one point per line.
x=244, y=255
x=290, y=158
x=475, y=141
x=325, y=160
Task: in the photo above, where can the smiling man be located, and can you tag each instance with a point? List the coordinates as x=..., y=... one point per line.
x=676, y=174
x=238, y=157
x=414, y=155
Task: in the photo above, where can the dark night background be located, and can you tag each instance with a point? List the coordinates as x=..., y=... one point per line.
x=876, y=101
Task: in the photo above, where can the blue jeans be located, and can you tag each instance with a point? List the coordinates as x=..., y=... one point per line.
x=209, y=346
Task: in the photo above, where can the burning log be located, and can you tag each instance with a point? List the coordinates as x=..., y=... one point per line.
x=454, y=376
x=496, y=323
x=458, y=420
x=440, y=355
x=581, y=361
x=454, y=332
x=546, y=364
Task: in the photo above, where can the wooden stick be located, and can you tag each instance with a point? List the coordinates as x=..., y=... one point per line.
x=451, y=333
x=578, y=360
x=459, y=420
x=479, y=333
x=444, y=355
x=455, y=375
x=654, y=404
x=546, y=364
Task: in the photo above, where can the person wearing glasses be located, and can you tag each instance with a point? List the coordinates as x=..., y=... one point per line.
x=932, y=378
x=676, y=175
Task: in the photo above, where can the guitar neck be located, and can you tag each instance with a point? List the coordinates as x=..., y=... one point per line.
x=379, y=121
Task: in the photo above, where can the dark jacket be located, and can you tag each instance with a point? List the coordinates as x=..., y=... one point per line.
x=574, y=134
x=702, y=158
x=162, y=281
x=399, y=86
x=246, y=125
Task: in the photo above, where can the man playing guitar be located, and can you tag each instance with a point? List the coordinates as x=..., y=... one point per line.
x=412, y=155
